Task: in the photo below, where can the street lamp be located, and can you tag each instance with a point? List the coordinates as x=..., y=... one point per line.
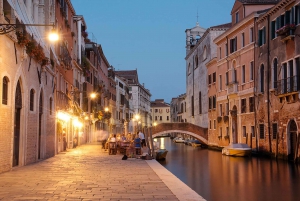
x=6, y=28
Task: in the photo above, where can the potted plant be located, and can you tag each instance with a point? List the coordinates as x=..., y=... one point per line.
x=219, y=119
x=225, y=118
x=72, y=33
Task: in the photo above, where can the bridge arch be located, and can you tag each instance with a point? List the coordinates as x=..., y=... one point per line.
x=184, y=128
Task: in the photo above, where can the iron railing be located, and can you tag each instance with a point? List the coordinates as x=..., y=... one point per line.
x=287, y=85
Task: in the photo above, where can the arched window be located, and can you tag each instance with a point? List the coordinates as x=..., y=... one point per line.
x=262, y=75
x=275, y=73
x=50, y=105
x=5, y=91
x=204, y=53
x=31, y=101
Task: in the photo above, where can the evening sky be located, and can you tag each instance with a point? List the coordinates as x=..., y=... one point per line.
x=149, y=35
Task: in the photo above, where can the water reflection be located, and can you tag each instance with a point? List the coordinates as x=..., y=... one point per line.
x=218, y=177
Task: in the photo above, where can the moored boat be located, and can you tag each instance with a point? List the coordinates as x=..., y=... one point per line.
x=238, y=149
x=161, y=154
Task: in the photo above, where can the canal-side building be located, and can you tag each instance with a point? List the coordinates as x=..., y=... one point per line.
x=232, y=105
x=27, y=120
x=201, y=52
x=112, y=107
x=178, y=109
x=277, y=69
x=160, y=112
x=140, y=97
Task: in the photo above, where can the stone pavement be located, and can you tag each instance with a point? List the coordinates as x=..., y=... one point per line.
x=89, y=173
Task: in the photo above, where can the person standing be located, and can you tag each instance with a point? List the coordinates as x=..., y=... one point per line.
x=142, y=137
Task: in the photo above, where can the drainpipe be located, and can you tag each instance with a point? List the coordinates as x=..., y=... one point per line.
x=254, y=87
x=268, y=85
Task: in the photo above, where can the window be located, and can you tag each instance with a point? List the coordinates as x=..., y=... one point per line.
x=214, y=77
x=275, y=73
x=244, y=131
x=167, y=118
x=243, y=74
x=227, y=131
x=5, y=91
x=209, y=79
x=220, y=132
x=236, y=17
x=50, y=105
x=226, y=49
x=297, y=14
x=210, y=124
x=215, y=124
x=252, y=131
x=251, y=35
x=160, y=118
x=251, y=70
x=220, y=110
x=273, y=30
x=204, y=53
x=261, y=131
x=220, y=82
x=227, y=78
x=189, y=69
x=227, y=108
x=262, y=75
x=297, y=63
x=31, y=101
x=214, y=99
x=275, y=130
x=233, y=45
x=220, y=53
x=243, y=105
x=196, y=61
x=209, y=103
x=156, y=110
x=251, y=104
x=243, y=40
x=200, y=103
x=155, y=118
x=262, y=36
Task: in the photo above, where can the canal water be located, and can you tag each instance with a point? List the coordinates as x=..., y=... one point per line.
x=220, y=178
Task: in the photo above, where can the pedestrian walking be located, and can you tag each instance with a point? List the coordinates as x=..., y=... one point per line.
x=142, y=137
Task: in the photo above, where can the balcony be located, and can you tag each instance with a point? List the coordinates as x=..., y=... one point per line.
x=286, y=32
x=62, y=100
x=232, y=88
x=287, y=85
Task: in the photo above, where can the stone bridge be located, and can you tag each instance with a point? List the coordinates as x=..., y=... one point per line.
x=185, y=128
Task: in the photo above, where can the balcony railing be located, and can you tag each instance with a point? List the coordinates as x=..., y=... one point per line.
x=62, y=100
x=287, y=85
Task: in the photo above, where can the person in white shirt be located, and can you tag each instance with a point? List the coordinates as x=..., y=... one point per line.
x=113, y=138
x=142, y=137
x=145, y=152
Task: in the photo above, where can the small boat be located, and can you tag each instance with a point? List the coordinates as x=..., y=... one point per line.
x=179, y=140
x=238, y=149
x=161, y=154
x=195, y=143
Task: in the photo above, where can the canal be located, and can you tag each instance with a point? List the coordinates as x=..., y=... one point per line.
x=220, y=178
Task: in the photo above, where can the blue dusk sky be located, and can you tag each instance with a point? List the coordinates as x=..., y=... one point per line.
x=149, y=35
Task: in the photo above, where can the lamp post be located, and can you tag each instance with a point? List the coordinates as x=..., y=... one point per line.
x=7, y=28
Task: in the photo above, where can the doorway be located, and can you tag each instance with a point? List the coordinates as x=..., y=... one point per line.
x=17, y=125
x=40, y=124
x=292, y=132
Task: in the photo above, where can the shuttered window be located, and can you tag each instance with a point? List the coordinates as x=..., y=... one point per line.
x=274, y=130
x=261, y=131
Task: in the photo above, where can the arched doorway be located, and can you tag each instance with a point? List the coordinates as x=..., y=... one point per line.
x=292, y=132
x=234, y=131
x=40, y=124
x=17, y=125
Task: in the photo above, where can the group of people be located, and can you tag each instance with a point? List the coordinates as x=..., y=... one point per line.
x=139, y=141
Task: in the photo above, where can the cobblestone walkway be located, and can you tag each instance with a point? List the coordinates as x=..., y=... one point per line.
x=86, y=173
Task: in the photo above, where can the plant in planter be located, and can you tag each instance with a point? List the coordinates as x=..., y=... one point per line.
x=225, y=118
x=84, y=34
x=226, y=137
x=22, y=38
x=219, y=119
x=72, y=33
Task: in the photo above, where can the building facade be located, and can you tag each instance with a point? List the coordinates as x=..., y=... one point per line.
x=160, y=112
